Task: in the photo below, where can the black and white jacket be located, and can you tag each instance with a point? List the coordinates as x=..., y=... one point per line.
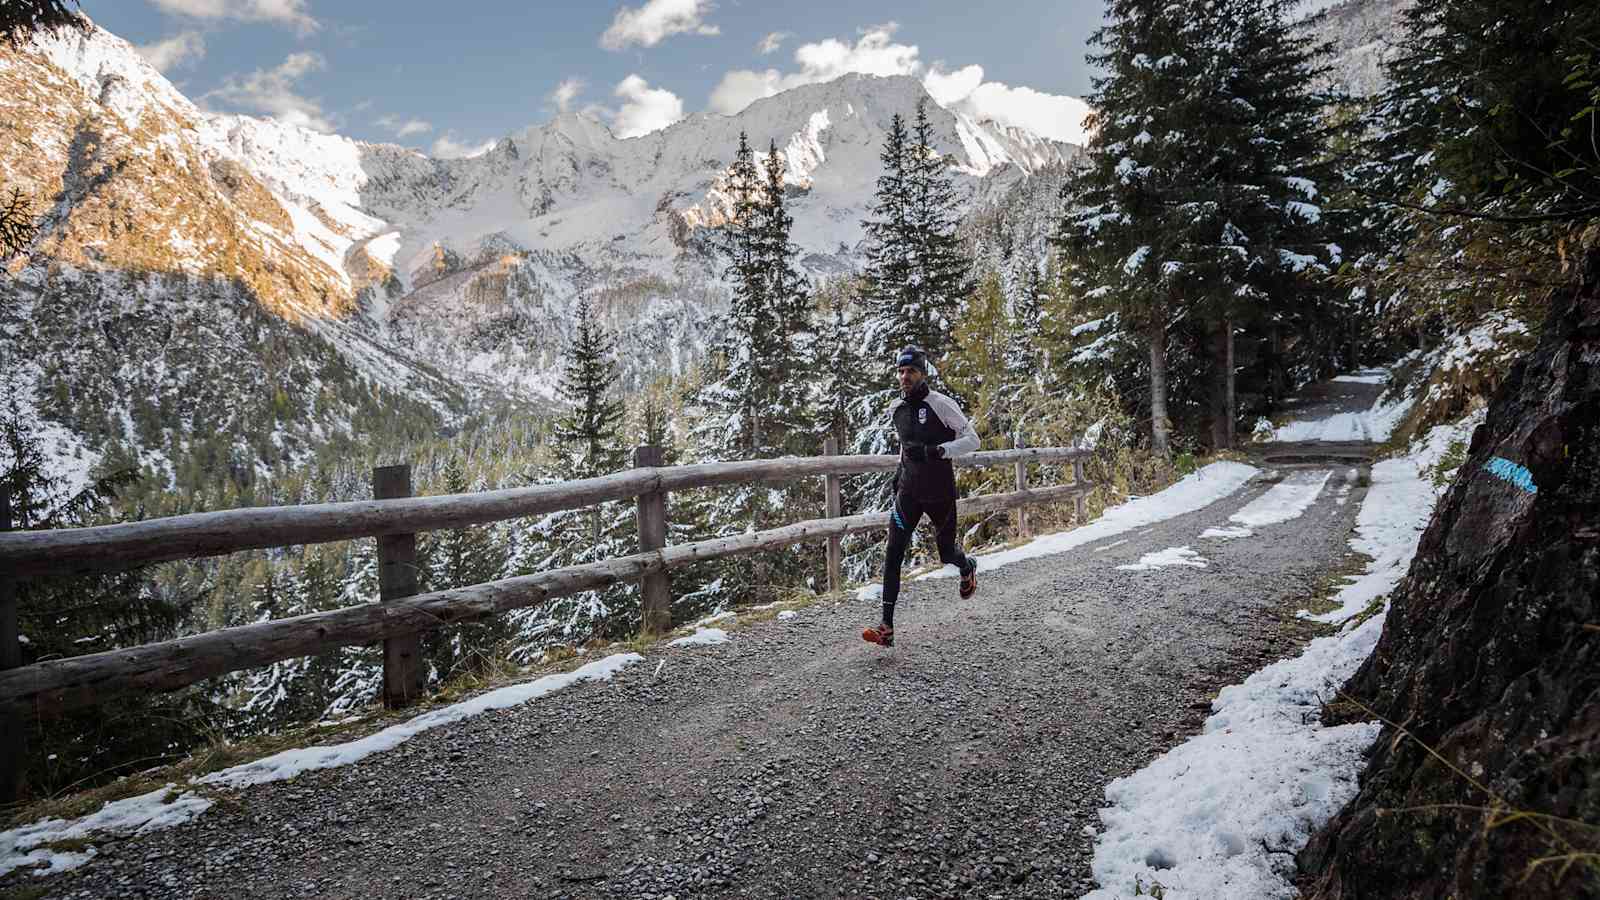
x=930, y=418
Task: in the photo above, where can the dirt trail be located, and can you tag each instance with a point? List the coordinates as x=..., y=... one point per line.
x=797, y=760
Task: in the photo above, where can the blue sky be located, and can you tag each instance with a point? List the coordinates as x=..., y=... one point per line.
x=447, y=78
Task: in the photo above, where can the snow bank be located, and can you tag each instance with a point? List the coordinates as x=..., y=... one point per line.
x=1194, y=491
x=1222, y=814
x=289, y=763
x=161, y=808
x=164, y=808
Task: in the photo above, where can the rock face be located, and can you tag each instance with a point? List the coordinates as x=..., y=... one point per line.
x=1491, y=657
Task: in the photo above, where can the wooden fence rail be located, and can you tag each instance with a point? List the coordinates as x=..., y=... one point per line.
x=80, y=681
x=72, y=551
x=394, y=517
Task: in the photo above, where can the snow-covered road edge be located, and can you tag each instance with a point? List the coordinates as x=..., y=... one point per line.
x=1194, y=491
x=1222, y=814
x=165, y=808
x=1392, y=518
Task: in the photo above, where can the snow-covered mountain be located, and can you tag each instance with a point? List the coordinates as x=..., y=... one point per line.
x=434, y=279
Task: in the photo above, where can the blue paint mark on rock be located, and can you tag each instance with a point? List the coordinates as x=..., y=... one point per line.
x=1512, y=473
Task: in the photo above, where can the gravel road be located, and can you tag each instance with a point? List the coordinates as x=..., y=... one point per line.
x=795, y=760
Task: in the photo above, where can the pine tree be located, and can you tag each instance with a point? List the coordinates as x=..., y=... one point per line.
x=756, y=392
x=1129, y=225
x=737, y=393
x=847, y=393
x=590, y=434
x=941, y=272
x=458, y=557
x=1479, y=159
x=17, y=226
x=1264, y=248
x=1028, y=351
x=888, y=270
x=788, y=297
x=917, y=272
x=62, y=617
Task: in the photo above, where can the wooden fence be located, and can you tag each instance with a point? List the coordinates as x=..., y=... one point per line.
x=394, y=518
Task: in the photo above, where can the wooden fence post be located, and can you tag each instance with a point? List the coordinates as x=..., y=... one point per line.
x=403, y=673
x=830, y=447
x=655, y=591
x=14, y=746
x=1022, y=485
x=1077, y=499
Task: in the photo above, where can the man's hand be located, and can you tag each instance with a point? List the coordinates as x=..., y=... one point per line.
x=936, y=451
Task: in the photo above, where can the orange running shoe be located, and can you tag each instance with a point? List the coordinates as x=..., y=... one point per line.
x=879, y=634
x=969, y=581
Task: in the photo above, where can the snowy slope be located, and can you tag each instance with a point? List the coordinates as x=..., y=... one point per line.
x=433, y=278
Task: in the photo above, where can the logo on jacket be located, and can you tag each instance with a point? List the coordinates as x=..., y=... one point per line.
x=922, y=416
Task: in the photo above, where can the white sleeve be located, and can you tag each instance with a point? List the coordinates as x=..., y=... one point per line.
x=950, y=414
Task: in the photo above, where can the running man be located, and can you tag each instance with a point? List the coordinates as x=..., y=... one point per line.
x=932, y=430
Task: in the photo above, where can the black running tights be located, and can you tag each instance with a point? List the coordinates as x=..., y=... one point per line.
x=903, y=519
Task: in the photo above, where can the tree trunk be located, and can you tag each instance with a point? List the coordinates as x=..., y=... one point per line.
x=1160, y=426
x=1219, y=387
x=1280, y=386
x=1232, y=404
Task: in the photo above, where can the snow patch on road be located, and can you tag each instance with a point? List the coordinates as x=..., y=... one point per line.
x=1284, y=501
x=701, y=636
x=1226, y=533
x=1375, y=424
x=1172, y=556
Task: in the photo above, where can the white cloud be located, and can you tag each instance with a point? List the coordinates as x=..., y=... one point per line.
x=403, y=128
x=656, y=21
x=946, y=89
x=644, y=109
x=566, y=92
x=1053, y=116
x=875, y=52
x=175, y=52
x=289, y=13
x=772, y=42
x=447, y=146
x=272, y=92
